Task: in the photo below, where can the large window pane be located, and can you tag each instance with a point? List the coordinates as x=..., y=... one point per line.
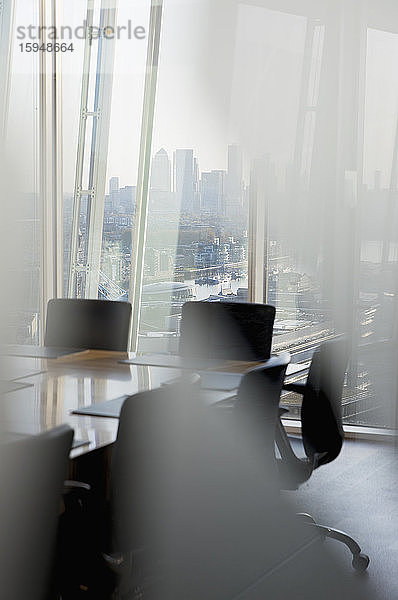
x=102, y=160
x=20, y=185
x=377, y=286
x=196, y=245
x=275, y=115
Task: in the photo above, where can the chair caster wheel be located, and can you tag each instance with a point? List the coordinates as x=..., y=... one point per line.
x=360, y=562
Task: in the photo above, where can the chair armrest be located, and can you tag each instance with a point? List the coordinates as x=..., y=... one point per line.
x=71, y=486
x=298, y=387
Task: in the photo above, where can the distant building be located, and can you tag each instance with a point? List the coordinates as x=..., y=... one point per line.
x=120, y=200
x=196, y=192
x=114, y=193
x=112, y=262
x=234, y=182
x=161, y=172
x=113, y=184
x=127, y=196
x=152, y=262
x=213, y=192
x=185, y=183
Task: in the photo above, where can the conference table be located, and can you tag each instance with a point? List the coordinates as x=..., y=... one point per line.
x=47, y=391
x=39, y=393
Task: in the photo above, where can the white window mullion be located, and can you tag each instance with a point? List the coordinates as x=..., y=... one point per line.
x=258, y=241
x=99, y=149
x=50, y=165
x=7, y=13
x=84, y=274
x=141, y=210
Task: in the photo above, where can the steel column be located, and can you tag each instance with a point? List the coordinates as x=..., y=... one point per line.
x=141, y=212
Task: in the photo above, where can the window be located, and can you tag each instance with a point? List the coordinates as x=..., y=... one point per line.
x=196, y=245
x=99, y=198
x=21, y=208
x=253, y=158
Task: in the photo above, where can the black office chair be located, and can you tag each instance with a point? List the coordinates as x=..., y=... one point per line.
x=141, y=472
x=88, y=324
x=195, y=492
x=257, y=403
x=195, y=512
x=32, y=471
x=227, y=330
x=322, y=430
x=116, y=542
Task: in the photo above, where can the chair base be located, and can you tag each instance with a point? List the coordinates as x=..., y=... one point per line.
x=360, y=561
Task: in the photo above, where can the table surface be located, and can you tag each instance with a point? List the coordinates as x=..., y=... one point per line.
x=59, y=386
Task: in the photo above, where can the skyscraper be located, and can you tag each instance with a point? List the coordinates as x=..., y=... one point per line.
x=161, y=172
x=196, y=193
x=127, y=196
x=184, y=179
x=212, y=192
x=114, y=194
x=113, y=184
x=234, y=181
x=160, y=194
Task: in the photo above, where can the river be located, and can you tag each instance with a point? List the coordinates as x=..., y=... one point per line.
x=204, y=291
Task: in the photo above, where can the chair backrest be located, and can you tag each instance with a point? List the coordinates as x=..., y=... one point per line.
x=141, y=459
x=195, y=499
x=257, y=403
x=227, y=330
x=88, y=324
x=32, y=471
x=321, y=419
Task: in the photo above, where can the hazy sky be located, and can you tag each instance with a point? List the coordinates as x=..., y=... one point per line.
x=224, y=77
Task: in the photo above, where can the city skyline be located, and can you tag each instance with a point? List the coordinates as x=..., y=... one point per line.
x=234, y=173
x=178, y=183
x=195, y=113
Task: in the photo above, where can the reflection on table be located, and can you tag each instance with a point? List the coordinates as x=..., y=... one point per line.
x=56, y=387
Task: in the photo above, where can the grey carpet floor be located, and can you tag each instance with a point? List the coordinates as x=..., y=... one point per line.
x=358, y=493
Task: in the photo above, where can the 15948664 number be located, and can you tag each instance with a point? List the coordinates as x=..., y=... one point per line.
x=48, y=47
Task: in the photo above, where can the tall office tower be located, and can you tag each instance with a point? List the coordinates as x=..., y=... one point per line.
x=212, y=192
x=161, y=172
x=196, y=193
x=107, y=205
x=184, y=179
x=160, y=194
x=234, y=182
x=113, y=184
x=114, y=199
x=127, y=197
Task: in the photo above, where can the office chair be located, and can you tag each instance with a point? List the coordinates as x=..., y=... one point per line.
x=256, y=407
x=88, y=324
x=32, y=471
x=141, y=474
x=322, y=431
x=196, y=495
x=177, y=469
x=195, y=511
x=226, y=330
x=116, y=541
